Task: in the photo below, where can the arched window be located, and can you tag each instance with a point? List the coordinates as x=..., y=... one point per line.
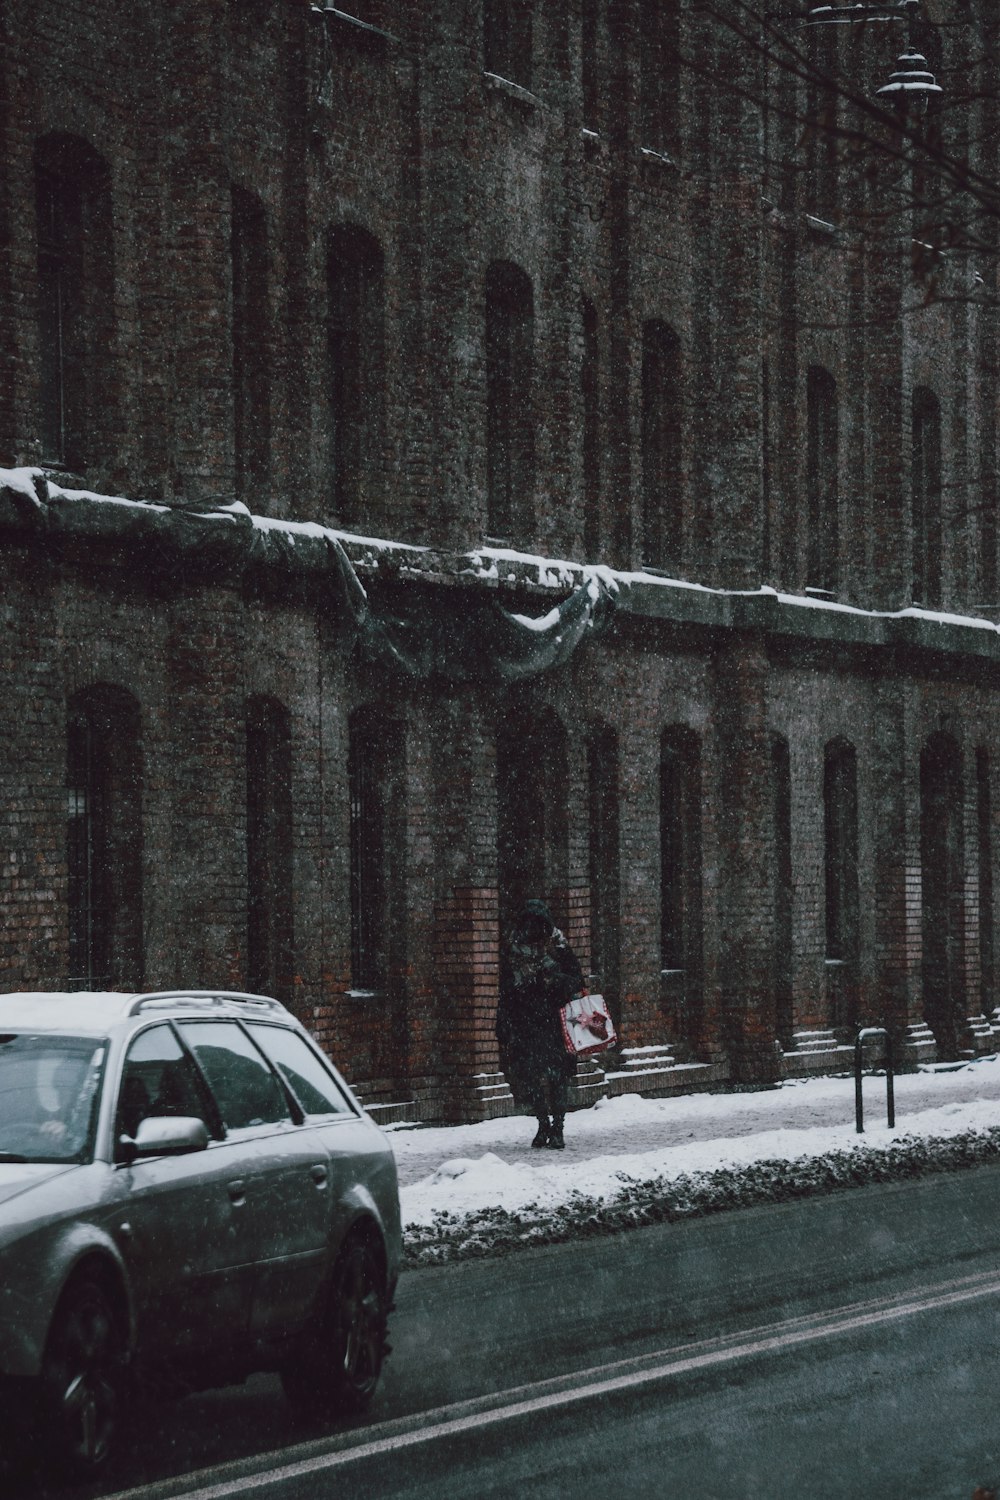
x=942, y=863
x=603, y=858
x=251, y=344
x=840, y=863
x=822, y=478
x=104, y=839
x=376, y=774
x=75, y=298
x=661, y=446
x=659, y=73
x=269, y=848
x=510, y=438
x=781, y=802
x=507, y=40
x=590, y=393
x=926, y=498
x=355, y=290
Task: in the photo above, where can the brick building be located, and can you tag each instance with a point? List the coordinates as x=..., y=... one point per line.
x=337, y=347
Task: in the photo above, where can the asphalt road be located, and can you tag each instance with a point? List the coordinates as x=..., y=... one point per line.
x=844, y=1346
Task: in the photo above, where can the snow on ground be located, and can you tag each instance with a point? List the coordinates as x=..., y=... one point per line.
x=480, y=1189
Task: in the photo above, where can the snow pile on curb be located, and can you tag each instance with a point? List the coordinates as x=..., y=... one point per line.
x=486, y=1207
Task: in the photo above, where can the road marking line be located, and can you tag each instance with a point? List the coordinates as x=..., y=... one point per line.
x=485, y=1411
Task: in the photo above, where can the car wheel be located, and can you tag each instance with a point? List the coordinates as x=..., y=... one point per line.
x=341, y=1366
x=81, y=1377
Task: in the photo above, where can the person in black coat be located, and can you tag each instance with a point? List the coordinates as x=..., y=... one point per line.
x=539, y=973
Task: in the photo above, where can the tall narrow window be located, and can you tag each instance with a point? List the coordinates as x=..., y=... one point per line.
x=984, y=819
x=104, y=840
x=820, y=134
x=589, y=66
x=840, y=829
x=269, y=848
x=680, y=851
x=509, y=400
x=661, y=446
x=590, y=394
x=781, y=793
x=942, y=861
x=375, y=774
x=355, y=287
x=659, y=73
x=822, y=486
x=75, y=298
x=926, y=493
x=603, y=858
x=251, y=341
x=507, y=40
x=532, y=816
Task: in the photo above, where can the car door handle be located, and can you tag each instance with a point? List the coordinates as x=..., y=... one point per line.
x=318, y=1173
x=237, y=1190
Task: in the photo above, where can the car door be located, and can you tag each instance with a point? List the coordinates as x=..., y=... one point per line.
x=287, y=1177
x=182, y=1223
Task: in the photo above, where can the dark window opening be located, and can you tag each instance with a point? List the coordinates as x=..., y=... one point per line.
x=251, y=342
x=590, y=373
x=926, y=497
x=659, y=73
x=942, y=861
x=984, y=818
x=269, y=849
x=104, y=840
x=781, y=793
x=375, y=774
x=822, y=479
x=75, y=298
x=590, y=67
x=507, y=40
x=681, y=883
x=840, y=842
x=355, y=289
x=661, y=446
x=509, y=399
x=603, y=861
x=821, y=125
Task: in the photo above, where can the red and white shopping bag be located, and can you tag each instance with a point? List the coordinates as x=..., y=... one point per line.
x=586, y=1025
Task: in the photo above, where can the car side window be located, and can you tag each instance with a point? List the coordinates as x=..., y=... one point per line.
x=302, y=1070
x=245, y=1089
x=157, y=1079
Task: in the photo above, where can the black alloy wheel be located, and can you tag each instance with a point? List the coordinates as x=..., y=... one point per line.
x=340, y=1369
x=81, y=1376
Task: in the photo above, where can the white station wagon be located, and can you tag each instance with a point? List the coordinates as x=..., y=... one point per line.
x=188, y=1190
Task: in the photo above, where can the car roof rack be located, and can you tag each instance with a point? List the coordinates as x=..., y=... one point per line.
x=202, y=997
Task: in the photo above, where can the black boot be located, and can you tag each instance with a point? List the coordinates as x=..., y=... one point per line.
x=542, y=1133
x=555, y=1141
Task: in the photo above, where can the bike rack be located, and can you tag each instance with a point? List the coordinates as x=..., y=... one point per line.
x=863, y=1036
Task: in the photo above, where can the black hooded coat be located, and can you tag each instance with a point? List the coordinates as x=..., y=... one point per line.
x=539, y=973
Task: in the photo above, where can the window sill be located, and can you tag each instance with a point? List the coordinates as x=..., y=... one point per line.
x=653, y=158
x=365, y=995
x=357, y=31
x=512, y=91
x=822, y=227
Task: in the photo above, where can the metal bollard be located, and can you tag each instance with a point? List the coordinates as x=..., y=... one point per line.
x=890, y=1101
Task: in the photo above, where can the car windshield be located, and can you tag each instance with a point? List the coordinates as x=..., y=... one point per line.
x=48, y=1095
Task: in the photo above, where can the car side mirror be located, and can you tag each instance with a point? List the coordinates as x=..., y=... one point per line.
x=166, y=1135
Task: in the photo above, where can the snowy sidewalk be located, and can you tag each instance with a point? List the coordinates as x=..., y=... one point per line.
x=456, y=1179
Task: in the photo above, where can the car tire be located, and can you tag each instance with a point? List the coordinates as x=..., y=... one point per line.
x=340, y=1367
x=81, y=1379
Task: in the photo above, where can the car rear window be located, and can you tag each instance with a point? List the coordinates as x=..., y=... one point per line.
x=49, y=1086
x=314, y=1088
x=246, y=1090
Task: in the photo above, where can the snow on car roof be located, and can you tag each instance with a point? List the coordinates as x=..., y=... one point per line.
x=82, y=1011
